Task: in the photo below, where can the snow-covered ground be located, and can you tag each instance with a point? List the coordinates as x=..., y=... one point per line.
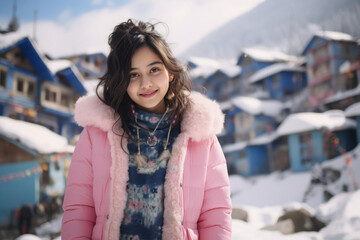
x=266, y=197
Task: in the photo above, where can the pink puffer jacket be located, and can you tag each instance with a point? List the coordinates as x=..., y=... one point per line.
x=197, y=192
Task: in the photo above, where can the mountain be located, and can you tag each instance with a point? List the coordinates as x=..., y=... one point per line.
x=285, y=25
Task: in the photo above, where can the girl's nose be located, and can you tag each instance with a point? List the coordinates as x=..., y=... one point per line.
x=145, y=83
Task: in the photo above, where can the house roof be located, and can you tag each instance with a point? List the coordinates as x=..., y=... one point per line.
x=256, y=106
x=263, y=55
x=310, y=121
x=48, y=68
x=274, y=69
x=206, y=67
x=234, y=147
x=353, y=110
x=34, y=136
x=329, y=36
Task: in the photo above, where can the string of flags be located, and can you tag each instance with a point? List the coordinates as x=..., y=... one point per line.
x=43, y=167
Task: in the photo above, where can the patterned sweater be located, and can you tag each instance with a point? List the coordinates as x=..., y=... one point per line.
x=143, y=214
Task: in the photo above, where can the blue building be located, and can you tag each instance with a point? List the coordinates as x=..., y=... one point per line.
x=90, y=65
x=280, y=81
x=252, y=60
x=325, y=53
x=33, y=165
x=216, y=79
x=35, y=89
x=314, y=137
x=348, y=90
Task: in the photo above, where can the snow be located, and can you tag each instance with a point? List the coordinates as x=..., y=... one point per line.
x=206, y=67
x=309, y=121
x=266, y=55
x=345, y=67
x=264, y=139
x=57, y=65
x=234, y=147
x=273, y=69
x=353, y=110
x=265, y=198
x=33, y=136
x=343, y=95
x=255, y=106
x=336, y=36
x=90, y=85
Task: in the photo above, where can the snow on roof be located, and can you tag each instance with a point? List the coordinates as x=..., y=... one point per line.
x=353, y=110
x=255, y=106
x=33, y=136
x=225, y=105
x=345, y=67
x=337, y=36
x=264, y=139
x=343, y=95
x=268, y=55
x=57, y=65
x=234, y=147
x=206, y=67
x=309, y=121
x=273, y=69
x=200, y=61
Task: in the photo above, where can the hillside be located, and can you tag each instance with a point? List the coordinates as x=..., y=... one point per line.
x=286, y=25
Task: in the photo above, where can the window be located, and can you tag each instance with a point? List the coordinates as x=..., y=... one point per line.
x=3, y=74
x=25, y=85
x=57, y=97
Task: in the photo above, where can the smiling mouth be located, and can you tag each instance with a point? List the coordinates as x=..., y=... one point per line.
x=149, y=94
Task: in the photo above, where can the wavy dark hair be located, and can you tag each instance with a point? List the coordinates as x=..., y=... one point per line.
x=126, y=38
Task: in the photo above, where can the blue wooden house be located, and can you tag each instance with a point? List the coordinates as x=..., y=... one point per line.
x=267, y=153
x=252, y=60
x=217, y=79
x=279, y=81
x=250, y=117
x=32, y=165
x=314, y=137
x=325, y=53
x=353, y=111
x=246, y=119
x=348, y=90
x=90, y=65
x=35, y=89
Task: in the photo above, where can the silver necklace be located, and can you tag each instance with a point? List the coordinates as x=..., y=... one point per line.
x=152, y=140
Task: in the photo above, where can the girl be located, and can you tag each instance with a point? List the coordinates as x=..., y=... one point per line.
x=148, y=164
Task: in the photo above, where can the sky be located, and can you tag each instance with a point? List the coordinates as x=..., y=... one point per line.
x=69, y=27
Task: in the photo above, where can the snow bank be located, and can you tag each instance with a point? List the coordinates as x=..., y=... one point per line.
x=34, y=136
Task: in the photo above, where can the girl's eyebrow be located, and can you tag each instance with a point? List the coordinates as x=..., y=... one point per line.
x=149, y=65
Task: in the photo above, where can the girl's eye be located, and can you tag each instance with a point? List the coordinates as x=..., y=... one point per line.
x=154, y=70
x=133, y=75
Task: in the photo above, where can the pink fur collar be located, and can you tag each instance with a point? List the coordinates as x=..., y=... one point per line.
x=202, y=119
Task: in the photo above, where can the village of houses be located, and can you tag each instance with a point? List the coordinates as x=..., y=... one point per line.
x=282, y=112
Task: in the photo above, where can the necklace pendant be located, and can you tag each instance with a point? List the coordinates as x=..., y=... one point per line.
x=152, y=140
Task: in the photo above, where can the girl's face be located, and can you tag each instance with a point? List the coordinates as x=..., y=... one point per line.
x=149, y=81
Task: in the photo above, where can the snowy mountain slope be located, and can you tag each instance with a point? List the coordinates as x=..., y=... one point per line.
x=286, y=25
